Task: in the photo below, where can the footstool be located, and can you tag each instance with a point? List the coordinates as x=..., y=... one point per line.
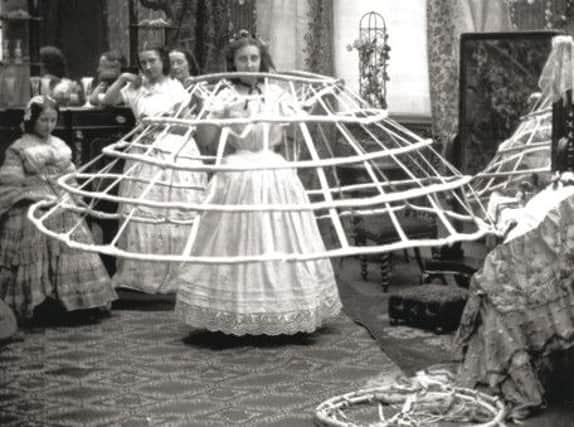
x=428, y=306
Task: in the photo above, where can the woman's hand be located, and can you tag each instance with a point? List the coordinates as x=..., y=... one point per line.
x=113, y=95
x=134, y=79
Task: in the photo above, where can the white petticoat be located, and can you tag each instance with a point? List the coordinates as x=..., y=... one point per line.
x=270, y=298
x=164, y=238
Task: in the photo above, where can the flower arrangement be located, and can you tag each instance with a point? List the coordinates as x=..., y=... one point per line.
x=373, y=76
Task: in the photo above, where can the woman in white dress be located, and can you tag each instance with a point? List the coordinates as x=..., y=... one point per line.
x=264, y=297
x=153, y=94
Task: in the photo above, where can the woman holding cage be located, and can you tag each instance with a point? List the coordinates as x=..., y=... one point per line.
x=148, y=229
x=263, y=297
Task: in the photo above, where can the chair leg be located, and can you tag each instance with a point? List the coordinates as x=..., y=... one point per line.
x=419, y=259
x=360, y=240
x=406, y=255
x=385, y=271
x=364, y=270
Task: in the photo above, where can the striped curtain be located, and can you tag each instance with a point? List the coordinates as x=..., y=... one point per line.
x=446, y=21
x=300, y=33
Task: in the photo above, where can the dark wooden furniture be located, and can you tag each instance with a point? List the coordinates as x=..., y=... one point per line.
x=20, y=52
x=21, y=34
x=563, y=134
x=435, y=307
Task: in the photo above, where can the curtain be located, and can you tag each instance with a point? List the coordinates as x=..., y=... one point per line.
x=319, y=47
x=118, y=26
x=446, y=21
x=484, y=15
x=210, y=40
x=299, y=33
x=542, y=14
x=283, y=24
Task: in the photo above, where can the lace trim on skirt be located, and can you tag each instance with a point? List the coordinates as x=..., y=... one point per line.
x=276, y=323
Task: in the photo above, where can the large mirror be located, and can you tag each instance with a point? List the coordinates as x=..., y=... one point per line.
x=498, y=73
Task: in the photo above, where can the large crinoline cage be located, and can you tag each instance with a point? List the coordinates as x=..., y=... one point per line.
x=356, y=165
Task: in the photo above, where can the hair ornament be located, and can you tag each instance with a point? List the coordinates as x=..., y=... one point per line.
x=245, y=34
x=37, y=99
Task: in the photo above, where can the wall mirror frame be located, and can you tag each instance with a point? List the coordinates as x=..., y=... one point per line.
x=498, y=73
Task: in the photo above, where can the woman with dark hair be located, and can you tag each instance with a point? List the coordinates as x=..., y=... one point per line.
x=34, y=267
x=53, y=62
x=53, y=80
x=264, y=297
x=110, y=66
x=183, y=66
x=54, y=83
x=243, y=40
x=154, y=93
x=150, y=93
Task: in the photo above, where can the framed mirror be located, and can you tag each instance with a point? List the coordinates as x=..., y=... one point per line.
x=498, y=73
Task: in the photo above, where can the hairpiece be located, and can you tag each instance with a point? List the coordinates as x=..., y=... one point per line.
x=37, y=99
x=245, y=34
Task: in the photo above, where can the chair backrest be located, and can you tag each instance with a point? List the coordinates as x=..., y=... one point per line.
x=564, y=155
x=563, y=134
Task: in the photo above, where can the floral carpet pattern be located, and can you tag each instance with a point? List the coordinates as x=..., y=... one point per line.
x=143, y=368
x=426, y=338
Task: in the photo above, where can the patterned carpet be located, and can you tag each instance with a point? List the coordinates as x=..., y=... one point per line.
x=144, y=368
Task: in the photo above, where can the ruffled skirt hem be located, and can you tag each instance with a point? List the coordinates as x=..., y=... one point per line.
x=239, y=324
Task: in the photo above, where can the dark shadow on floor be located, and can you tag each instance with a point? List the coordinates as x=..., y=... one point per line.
x=53, y=314
x=221, y=341
x=135, y=300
